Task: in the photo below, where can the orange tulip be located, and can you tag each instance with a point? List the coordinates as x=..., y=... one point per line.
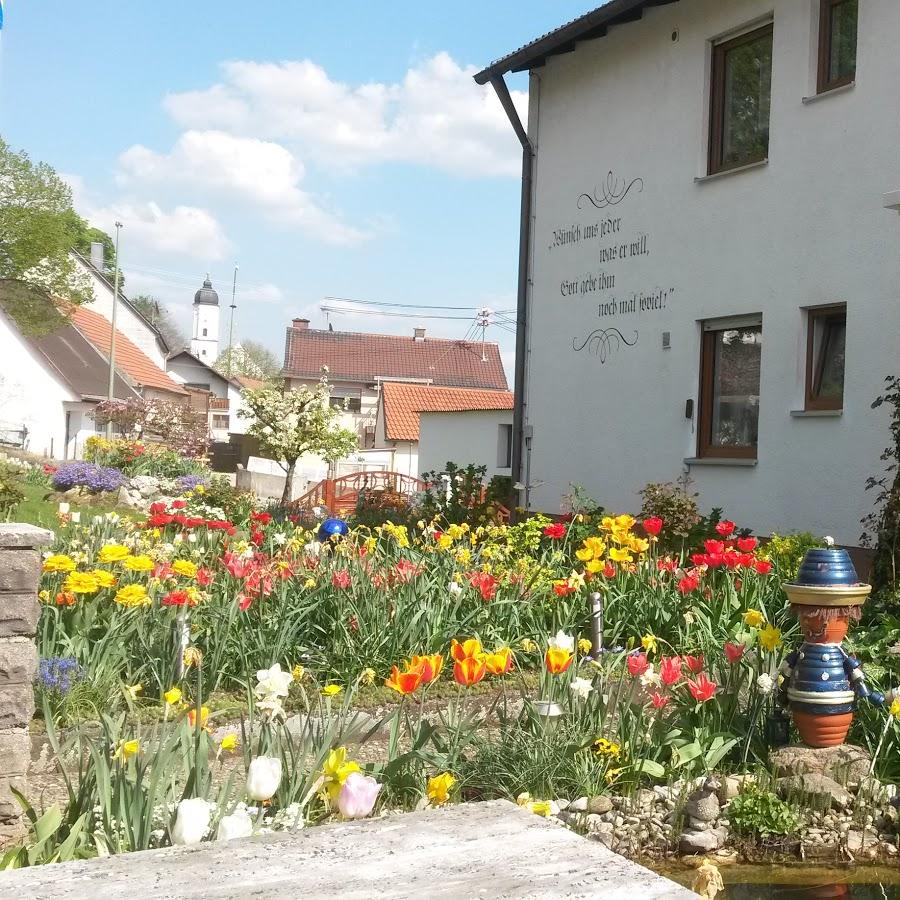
x=469, y=671
x=404, y=682
x=429, y=665
x=465, y=650
x=500, y=661
x=557, y=660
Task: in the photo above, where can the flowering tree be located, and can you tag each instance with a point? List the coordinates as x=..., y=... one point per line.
x=288, y=424
x=179, y=425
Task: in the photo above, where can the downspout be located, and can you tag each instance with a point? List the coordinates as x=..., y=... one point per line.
x=518, y=430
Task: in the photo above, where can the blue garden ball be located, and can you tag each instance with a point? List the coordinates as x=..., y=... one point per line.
x=332, y=529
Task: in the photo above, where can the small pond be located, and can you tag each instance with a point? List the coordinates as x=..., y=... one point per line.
x=801, y=882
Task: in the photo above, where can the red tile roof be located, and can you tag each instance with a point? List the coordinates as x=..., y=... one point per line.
x=129, y=359
x=247, y=383
x=402, y=404
x=354, y=356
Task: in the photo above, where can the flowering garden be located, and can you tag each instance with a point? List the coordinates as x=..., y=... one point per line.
x=207, y=675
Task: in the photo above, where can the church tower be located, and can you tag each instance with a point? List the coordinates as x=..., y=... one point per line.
x=205, y=334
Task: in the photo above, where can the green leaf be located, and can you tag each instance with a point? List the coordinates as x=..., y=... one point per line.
x=650, y=767
x=686, y=753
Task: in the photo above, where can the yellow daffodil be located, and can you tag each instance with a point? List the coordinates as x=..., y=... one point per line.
x=612, y=775
x=59, y=562
x=331, y=690
x=185, y=568
x=895, y=708
x=445, y=542
x=132, y=595
x=298, y=672
x=584, y=645
x=192, y=656
x=172, y=696
x=648, y=642
x=455, y=532
x=528, y=645
x=439, y=788
x=754, y=618
x=133, y=690
x=367, y=676
x=336, y=769
x=126, y=749
x=111, y=553
x=604, y=747
x=81, y=583
x=770, y=638
x=229, y=742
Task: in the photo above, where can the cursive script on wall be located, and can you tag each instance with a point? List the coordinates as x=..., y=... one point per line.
x=602, y=341
x=611, y=192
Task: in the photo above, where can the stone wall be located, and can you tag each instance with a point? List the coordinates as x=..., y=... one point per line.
x=20, y=572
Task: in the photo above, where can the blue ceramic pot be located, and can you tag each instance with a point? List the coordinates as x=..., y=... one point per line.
x=827, y=568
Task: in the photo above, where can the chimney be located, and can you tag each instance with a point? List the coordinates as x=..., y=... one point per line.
x=97, y=256
x=418, y=334
x=300, y=324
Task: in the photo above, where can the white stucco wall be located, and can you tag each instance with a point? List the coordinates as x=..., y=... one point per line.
x=806, y=229
x=462, y=438
x=127, y=321
x=30, y=395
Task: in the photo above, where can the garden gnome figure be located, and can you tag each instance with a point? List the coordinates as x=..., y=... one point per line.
x=822, y=682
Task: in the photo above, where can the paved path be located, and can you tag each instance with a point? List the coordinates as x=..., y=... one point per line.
x=478, y=850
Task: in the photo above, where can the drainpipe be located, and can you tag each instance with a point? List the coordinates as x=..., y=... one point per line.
x=518, y=431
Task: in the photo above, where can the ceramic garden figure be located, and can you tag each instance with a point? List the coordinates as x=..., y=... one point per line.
x=822, y=682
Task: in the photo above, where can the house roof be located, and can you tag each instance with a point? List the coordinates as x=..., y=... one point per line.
x=402, y=404
x=356, y=356
x=593, y=24
x=129, y=359
x=247, y=383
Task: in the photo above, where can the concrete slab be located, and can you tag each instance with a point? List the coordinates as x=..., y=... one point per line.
x=478, y=850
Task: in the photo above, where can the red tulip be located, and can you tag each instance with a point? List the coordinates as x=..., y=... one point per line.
x=470, y=671
x=609, y=570
x=688, y=583
x=694, y=663
x=713, y=546
x=702, y=689
x=653, y=525
x=659, y=700
x=670, y=669
x=556, y=531
x=725, y=528
x=734, y=652
x=763, y=566
x=637, y=664
x=429, y=666
x=746, y=544
x=404, y=682
x=341, y=579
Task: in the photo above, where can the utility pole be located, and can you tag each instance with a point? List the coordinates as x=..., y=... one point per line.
x=111, y=389
x=483, y=320
x=231, y=325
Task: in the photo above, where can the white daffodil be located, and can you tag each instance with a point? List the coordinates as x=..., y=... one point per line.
x=563, y=641
x=273, y=682
x=581, y=687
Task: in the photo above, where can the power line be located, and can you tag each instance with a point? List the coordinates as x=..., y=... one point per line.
x=402, y=305
x=399, y=315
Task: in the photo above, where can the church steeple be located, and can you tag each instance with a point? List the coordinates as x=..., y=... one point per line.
x=205, y=332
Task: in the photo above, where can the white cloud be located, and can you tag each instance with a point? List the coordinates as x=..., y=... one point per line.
x=435, y=116
x=261, y=173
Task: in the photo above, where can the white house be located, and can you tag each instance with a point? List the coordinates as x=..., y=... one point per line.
x=710, y=281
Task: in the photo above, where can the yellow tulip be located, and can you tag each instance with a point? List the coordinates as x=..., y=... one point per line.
x=439, y=788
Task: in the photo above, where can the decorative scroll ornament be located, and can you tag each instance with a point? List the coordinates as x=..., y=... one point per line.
x=610, y=193
x=602, y=341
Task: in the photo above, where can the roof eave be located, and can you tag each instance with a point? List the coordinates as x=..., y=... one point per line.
x=565, y=38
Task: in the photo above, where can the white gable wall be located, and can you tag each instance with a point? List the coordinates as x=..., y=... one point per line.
x=466, y=437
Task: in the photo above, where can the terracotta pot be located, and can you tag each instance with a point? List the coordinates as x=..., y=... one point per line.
x=817, y=631
x=822, y=730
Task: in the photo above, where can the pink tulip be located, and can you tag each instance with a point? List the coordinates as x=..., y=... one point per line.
x=358, y=795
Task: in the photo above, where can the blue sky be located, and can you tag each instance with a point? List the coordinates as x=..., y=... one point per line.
x=329, y=149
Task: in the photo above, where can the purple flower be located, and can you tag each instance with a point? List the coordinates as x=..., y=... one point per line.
x=59, y=673
x=185, y=483
x=88, y=475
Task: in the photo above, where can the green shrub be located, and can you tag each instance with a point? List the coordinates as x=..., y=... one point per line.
x=761, y=813
x=11, y=493
x=787, y=551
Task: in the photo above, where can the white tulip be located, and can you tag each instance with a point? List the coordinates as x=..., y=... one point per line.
x=765, y=683
x=263, y=777
x=237, y=825
x=191, y=821
x=455, y=589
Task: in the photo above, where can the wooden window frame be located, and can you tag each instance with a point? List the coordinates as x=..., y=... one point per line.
x=717, y=100
x=705, y=448
x=825, y=84
x=814, y=366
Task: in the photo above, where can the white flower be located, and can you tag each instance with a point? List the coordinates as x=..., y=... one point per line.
x=273, y=682
x=280, y=539
x=765, y=683
x=263, y=777
x=581, y=687
x=237, y=825
x=271, y=705
x=191, y=821
x=829, y=540
x=650, y=678
x=455, y=589
x=358, y=795
x=563, y=641
x=192, y=537
x=75, y=518
x=63, y=509
x=312, y=549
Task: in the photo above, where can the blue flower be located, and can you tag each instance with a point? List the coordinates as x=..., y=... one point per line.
x=89, y=475
x=59, y=673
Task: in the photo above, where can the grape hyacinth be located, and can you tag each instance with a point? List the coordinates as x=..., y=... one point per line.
x=185, y=483
x=59, y=673
x=88, y=475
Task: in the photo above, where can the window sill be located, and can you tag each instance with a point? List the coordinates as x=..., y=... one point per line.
x=700, y=179
x=736, y=461
x=830, y=92
x=816, y=413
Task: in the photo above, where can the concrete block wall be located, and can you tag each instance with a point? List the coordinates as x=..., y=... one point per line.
x=20, y=573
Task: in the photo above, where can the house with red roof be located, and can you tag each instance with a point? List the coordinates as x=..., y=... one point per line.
x=362, y=366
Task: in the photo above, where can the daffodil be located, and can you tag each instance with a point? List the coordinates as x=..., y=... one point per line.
x=126, y=749
x=584, y=645
x=528, y=645
x=895, y=708
x=229, y=742
x=336, y=769
x=754, y=618
x=331, y=690
x=439, y=788
x=367, y=676
x=172, y=696
x=192, y=656
x=298, y=672
x=770, y=638
x=133, y=690
x=648, y=642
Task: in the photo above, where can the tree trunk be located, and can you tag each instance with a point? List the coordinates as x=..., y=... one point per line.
x=288, y=482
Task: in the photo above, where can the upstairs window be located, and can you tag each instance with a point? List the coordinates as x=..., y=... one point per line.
x=504, y=447
x=730, y=359
x=825, y=343
x=741, y=93
x=837, y=43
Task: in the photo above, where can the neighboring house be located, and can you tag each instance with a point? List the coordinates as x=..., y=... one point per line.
x=427, y=426
x=50, y=386
x=359, y=364
x=709, y=277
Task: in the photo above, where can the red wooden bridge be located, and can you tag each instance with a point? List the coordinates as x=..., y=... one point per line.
x=340, y=495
